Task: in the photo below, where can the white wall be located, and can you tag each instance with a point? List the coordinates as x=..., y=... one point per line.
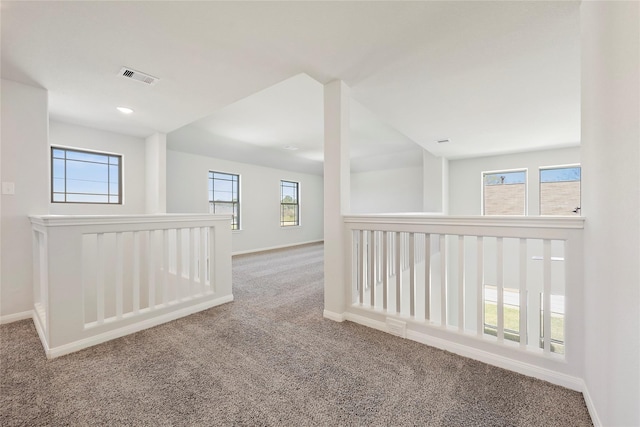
x=132, y=150
x=410, y=181
x=387, y=191
x=611, y=153
x=187, y=186
x=24, y=161
x=465, y=177
x=435, y=183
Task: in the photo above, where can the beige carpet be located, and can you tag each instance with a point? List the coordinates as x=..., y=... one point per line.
x=268, y=359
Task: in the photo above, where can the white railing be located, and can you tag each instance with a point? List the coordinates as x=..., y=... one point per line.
x=101, y=277
x=507, y=290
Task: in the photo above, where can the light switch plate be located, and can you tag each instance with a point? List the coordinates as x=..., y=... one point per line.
x=8, y=188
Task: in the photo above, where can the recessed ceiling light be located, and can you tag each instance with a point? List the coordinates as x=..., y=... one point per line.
x=290, y=147
x=125, y=110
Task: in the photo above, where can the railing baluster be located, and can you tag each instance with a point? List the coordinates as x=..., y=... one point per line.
x=353, y=239
x=546, y=299
x=500, y=286
x=136, y=272
x=165, y=264
x=178, y=280
x=379, y=257
x=405, y=251
x=212, y=261
x=480, y=289
x=371, y=266
x=100, y=259
x=361, y=275
x=192, y=261
x=151, y=269
x=385, y=269
x=398, y=250
x=412, y=275
x=119, y=273
x=202, y=260
x=523, y=293
x=461, y=283
x=443, y=280
x=427, y=276
x=379, y=263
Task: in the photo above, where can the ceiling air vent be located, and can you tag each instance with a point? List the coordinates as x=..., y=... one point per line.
x=130, y=73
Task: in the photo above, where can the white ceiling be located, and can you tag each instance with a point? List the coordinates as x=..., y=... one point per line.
x=264, y=127
x=246, y=77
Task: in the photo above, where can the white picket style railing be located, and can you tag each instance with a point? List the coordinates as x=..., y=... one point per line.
x=505, y=290
x=101, y=277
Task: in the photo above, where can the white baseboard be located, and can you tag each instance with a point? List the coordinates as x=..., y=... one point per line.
x=8, y=318
x=590, y=406
x=563, y=380
x=129, y=329
x=370, y=323
x=271, y=248
x=43, y=338
x=336, y=317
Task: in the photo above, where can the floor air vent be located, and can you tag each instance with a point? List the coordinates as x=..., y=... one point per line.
x=397, y=327
x=130, y=73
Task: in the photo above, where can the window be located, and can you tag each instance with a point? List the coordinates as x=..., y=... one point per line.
x=560, y=190
x=224, y=196
x=85, y=177
x=504, y=193
x=289, y=207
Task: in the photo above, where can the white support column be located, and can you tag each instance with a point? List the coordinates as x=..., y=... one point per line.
x=610, y=155
x=156, y=173
x=336, y=197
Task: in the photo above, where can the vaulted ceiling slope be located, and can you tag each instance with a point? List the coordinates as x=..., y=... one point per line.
x=283, y=126
x=492, y=77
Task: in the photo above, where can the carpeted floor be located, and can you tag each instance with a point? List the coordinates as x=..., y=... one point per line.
x=268, y=359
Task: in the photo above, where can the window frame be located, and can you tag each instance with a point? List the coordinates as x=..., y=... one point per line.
x=235, y=226
x=120, y=165
x=498, y=171
x=567, y=166
x=283, y=223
